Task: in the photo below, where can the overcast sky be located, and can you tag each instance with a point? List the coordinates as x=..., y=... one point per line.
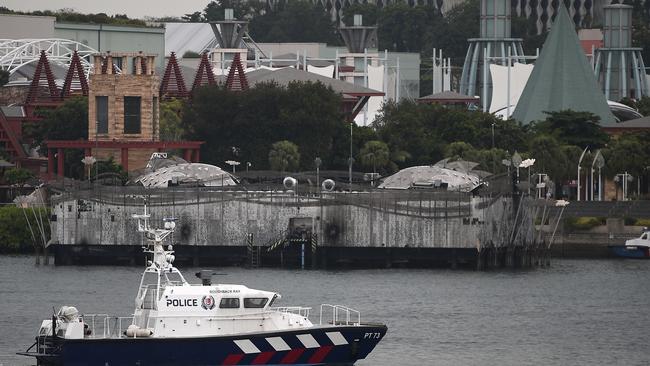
x=132, y=8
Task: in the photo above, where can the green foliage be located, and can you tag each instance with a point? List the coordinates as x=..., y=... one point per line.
x=422, y=131
x=295, y=21
x=460, y=150
x=191, y=54
x=71, y=16
x=583, y=223
x=642, y=105
x=171, y=117
x=17, y=176
x=306, y=113
x=68, y=122
x=284, y=156
x=642, y=222
x=15, y=236
x=4, y=77
x=573, y=128
x=628, y=153
x=375, y=154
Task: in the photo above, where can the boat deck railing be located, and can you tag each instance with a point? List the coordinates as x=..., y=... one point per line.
x=299, y=310
x=106, y=326
x=340, y=315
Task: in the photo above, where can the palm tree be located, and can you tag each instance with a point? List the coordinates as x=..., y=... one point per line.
x=375, y=153
x=284, y=155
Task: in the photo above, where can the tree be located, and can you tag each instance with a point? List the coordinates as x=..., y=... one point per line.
x=4, y=77
x=17, y=176
x=574, y=128
x=68, y=122
x=460, y=150
x=549, y=157
x=284, y=155
x=171, y=127
x=307, y=113
x=375, y=153
x=628, y=153
x=295, y=21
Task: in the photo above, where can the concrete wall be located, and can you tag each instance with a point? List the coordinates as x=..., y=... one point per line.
x=113, y=38
x=26, y=26
x=225, y=218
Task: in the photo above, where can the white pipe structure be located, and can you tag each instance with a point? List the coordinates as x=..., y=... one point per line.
x=16, y=53
x=580, y=161
x=593, y=163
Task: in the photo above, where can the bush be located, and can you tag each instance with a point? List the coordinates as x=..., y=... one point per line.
x=642, y=222
x=14, y=230
x=583, y=223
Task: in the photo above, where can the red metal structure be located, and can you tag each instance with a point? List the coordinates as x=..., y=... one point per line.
x=173, y=84
x=204, y=75
x=75, y=67
x=191, y=150
x=236, y=80
x=43, y=79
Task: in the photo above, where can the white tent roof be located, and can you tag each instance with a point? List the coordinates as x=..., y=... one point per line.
x=183, y=37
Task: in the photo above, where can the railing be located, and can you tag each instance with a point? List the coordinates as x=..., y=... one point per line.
x=341, y=315
x=106, y=326
x=299, y=310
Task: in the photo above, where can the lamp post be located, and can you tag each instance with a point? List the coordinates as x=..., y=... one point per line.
x=580, y=161
x=318, y=162
x=598, y=162
x=527, y=164
x=248, y=165
x=88, y=161
x=516, y=162
x=233, y=164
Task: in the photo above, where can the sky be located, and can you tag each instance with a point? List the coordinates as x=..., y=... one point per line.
x=132, y=8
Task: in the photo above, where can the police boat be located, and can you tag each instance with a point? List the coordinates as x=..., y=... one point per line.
x=178, y=323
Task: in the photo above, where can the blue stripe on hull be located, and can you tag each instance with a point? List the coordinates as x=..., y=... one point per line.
x=627, y=252
x=361, y=340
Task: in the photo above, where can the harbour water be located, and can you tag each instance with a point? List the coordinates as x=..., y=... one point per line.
x=577, y=312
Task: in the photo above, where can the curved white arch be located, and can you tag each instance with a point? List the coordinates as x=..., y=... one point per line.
x=16, y=53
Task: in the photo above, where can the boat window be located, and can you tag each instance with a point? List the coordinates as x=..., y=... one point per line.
x=255, y=302
x=229, y=303
x=273, y=300
x=174, y=277
x=644, y=236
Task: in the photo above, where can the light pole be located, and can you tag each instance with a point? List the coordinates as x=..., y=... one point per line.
x=516, y=162
x=598, y=162
x=580, y=161
x=318, y=162
x=88, y=161
x=248, y=165
x=233, y=164
x=527, y=164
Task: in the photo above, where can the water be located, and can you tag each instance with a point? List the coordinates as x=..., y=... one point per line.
x=577, y=312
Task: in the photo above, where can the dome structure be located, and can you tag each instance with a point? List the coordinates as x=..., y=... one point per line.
x=435, y=176
x=184, y=173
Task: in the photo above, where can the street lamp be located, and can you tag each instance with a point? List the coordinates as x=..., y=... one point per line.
x=624, y=178
x=248, y=165
x=598, y=162
x=516, y=161
x=88, y=161
x=580, y=161
x=233, y=164
x=318, y=162
x=527, y=164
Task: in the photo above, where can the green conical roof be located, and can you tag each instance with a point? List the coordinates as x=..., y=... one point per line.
x=562, y=78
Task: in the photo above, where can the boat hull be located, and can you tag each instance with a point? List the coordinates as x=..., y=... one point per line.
x=332, y=345
x=623, y=251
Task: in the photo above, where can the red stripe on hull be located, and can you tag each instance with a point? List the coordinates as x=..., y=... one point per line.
x=232, y=359
x=263, y=358
x=320, y=355
x=292, y=356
